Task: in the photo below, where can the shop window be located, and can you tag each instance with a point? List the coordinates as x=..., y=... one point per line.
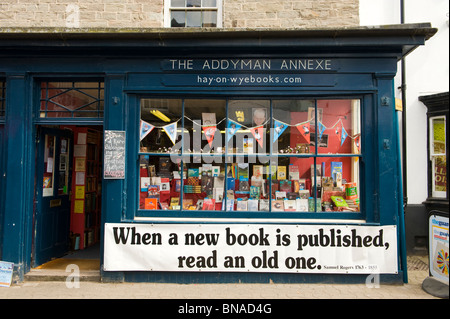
x=193, y=13
x=72, y=99
x=2, y=98
x=289, y=158
x=438, y=157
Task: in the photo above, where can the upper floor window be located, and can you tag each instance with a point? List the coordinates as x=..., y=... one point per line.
x=193, y=13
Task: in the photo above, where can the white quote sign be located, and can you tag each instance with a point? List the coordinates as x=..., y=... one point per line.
x=251, y=248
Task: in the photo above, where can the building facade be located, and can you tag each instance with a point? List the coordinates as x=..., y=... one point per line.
x=195, y=141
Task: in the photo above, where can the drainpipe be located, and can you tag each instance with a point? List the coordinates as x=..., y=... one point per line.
x=403, y=89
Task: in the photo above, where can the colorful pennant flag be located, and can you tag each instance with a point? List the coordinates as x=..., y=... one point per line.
x=171, y=130
x=209, y=133
x=232, y=128
x=357, y=141
x=279, y=128
x=145, y=129
x=321, y=129
x=343, y=135
x=303, y=128
x=258, y=133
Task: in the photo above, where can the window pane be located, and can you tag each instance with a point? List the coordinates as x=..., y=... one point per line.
x=72, y=99
x=178, y=3
x=294, y=183
x=177, y=19
x=439, y=164
x=209, y=3
x=193, y=19
x=159, y=113
x=252, y=121
x=159, y=186
x=209, y=19
x=292, y=126
x=199, y=138
x=204, y=188
x=438, y=136
x=247, y=187
x=194, y=3
x=338, y=126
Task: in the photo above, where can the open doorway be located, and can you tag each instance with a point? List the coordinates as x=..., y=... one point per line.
x=68, y=186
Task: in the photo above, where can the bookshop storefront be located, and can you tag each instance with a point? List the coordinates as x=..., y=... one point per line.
x=225, y=156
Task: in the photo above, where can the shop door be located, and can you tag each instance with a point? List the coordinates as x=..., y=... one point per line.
x=52, y=210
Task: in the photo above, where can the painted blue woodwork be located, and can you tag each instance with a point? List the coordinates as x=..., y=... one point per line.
x=135, y=65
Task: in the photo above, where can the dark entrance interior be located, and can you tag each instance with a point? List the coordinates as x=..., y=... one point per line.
x=68, y=180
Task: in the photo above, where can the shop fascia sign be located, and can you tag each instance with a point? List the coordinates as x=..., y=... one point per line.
x=249, y=72
x=249, y=65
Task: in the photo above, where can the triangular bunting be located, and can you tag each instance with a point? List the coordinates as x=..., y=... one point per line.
x=171, y=130
x=279, y=128
x=357, y=141
x=145, y=129
x=232, y=128
x=209, y=133
x=303, y=128
x=258, y=133
x=321, y=129
x=343, y=135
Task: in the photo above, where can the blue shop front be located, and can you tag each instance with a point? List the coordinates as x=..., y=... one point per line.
x=205, y=155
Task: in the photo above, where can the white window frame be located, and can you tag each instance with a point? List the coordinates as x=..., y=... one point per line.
x=168, y=9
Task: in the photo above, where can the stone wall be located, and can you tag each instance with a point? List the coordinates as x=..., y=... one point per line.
x=150, y=13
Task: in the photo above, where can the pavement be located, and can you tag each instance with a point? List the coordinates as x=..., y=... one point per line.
x=58, y=288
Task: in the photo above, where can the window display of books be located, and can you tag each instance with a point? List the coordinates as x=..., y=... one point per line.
x=238, y=187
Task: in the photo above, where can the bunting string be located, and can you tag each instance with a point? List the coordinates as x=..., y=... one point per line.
x=257, y=131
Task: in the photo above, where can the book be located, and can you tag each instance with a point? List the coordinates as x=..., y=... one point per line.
x=243, y=170
x=301, y=204
x=209, y=204
x=200, y=204
x=145, y=181
x=304, y=194
x=230, y=205
x=193, y=172
x=255, y=192
x=281, y=172
x=336, y=167
x=290, y=205
x=277, y=205
x=339, y=201
x=264, y=205
x=187, y=203
x=256, y=181
x=292, y=195
x=280, y=195
x=153, y=191
x=174, y=203
x=151, y=203
x=293, y=172
x=231, y=183
x=215, y=171
x=230, y=194
x=243, y=185
x=241, y=205
x=252, y=205
x=285, y=185
x=258, y=171
x=165, y=185
x=218, y=194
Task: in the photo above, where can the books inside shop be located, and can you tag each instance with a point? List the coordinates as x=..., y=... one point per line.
x=243, y=155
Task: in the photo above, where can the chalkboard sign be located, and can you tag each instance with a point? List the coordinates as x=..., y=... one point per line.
x=114, y=157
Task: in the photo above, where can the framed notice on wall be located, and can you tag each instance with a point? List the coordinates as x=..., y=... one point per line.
x=114, y=155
